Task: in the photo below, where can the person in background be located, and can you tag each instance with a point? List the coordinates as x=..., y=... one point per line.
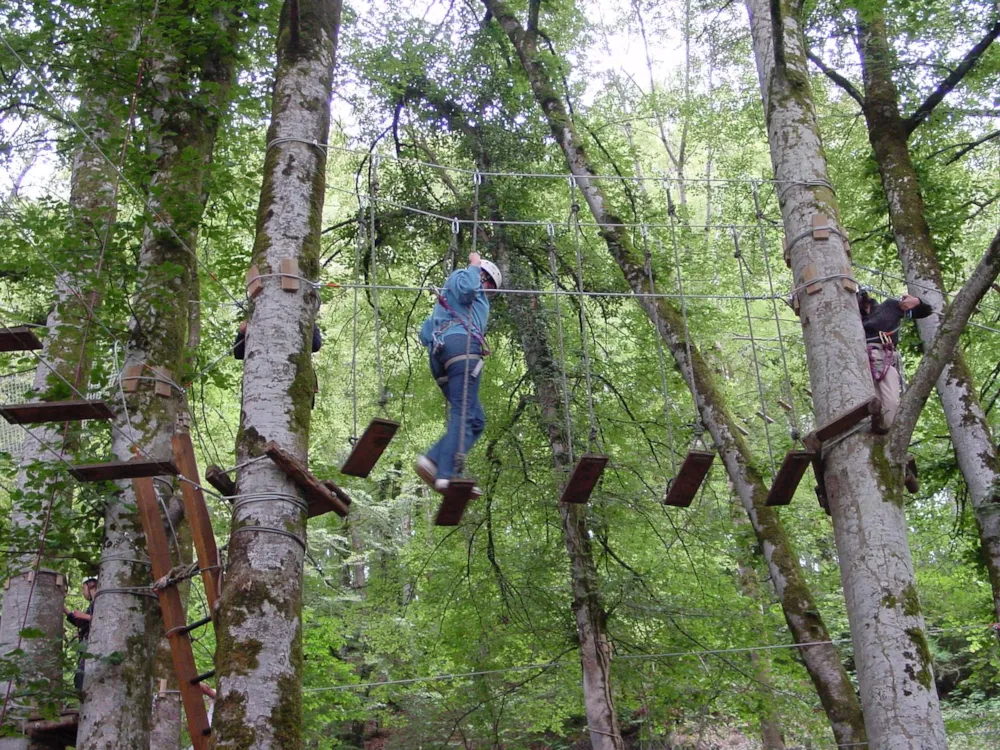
x=240, y=349
x=80, y=619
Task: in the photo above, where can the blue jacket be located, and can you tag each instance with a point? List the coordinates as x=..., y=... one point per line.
x=463, y=291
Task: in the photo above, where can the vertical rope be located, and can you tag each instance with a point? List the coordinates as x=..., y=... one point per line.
x=372, y=190
x=562, y=345
x=592, y=436
x=794, y=432
x=357, y=288
x=477, y=178
x=659, y=349
x=738, y=254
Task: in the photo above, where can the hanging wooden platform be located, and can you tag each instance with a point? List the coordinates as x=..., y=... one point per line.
x=370, y=447
x=53, y=733
x=586, y=474
x=320, y=497
x=134, y=469
x=788, y=478
x=18, y=339
x=845, y=421
x=172, y=609
x=39, y=412
x=220, y=480
x=684, y=487
x=455, y=499
x=196, y=514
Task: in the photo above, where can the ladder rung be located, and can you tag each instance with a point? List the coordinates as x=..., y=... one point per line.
x=195, y=625
x=203, y=676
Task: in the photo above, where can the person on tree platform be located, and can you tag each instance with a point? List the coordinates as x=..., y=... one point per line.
x=454, y=335
x=81, y=621
x=240, y=349
x=882, y=323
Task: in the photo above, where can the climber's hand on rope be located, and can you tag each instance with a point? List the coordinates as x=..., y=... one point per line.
x=475, y=259
x=907, y=302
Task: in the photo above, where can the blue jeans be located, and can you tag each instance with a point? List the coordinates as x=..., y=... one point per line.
x=443, y=451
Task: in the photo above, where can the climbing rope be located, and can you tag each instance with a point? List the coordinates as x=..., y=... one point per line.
x=354, y=339
x=592, y=435
x=460, y=456
x=561, y=342
x=373, y=188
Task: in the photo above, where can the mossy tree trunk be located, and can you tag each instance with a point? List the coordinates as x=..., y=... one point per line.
x=190, y=85
x=801, y=613
x=66, y=359
x=970, y=434
x=864, y=487
x=259, y=656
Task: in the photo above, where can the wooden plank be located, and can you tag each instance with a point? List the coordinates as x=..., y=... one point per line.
x=789, y=476
x=162, y=386
x=455, y=499
x=821, y=227
x=289, y=270
x=130, y=378
x=196, y=513
x=315, y=491
x=370, y=447
x=586, y=474
x=134, y=469
x=53, y=733
x=18, y=339
x=39, y=412
x=338, y=491
x=692, y=473
x=254, y=287
x=172, y=610
x=845, y=421
x=220, y=480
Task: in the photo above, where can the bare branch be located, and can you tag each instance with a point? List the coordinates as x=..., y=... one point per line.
x=953, y=322
x=953, y=79
x=964, y=148
x=837, y=78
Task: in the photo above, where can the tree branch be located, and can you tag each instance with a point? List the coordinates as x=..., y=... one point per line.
x=836, y=77
x=953, y=79
x=953, y=322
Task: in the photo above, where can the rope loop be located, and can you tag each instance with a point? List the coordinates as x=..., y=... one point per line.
x=454, y=225
x=477, y=178
x=550, y=229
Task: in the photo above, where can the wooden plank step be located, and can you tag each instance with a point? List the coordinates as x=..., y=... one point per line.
x=38, y=412
x=586, y=474
x=18, y=339
x=134, y=469
x=692, y=473
x=453, y=504
x=53, y=732
x=172, y=611
x=370, y=447
x=845, y=421
x=788, y=478
x=220, y=480
x=317, y=494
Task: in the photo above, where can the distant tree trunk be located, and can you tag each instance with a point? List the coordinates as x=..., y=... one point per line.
x=259, y=656
x=36, y=601
x=801, y=613
x=191, y=86
x=970, y=433
x=864, y=487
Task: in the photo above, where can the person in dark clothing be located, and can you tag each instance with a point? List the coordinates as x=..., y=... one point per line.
x=81, y=621
x=240, y=349
x=882, y=323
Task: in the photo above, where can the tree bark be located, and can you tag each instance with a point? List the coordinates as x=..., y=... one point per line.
x=970, y=433
x=36, y=601
x=801, y=613
x=259, y=656
x=190, y=85
x=864, y=488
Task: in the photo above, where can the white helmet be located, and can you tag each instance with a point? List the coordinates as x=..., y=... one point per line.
x=493, y=270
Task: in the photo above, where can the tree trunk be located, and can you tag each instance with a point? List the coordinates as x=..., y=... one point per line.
x=116, y=710
x=970, y=433
x=801, y=613
x=864, y=488
x=36, y=521
x=259, y=656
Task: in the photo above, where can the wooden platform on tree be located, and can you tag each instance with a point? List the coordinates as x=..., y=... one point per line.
x=586, y=474
x=843, y=422
x=134, y=469
x=39, y=412
x=319, y=496
x=220, y=480
x=789, y=475
x=370, y=447
x=172, y=611
x=53, y=733
x=684, y=487
x=454, y=501
x=18, y=339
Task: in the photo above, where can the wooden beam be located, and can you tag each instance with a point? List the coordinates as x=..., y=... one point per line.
x=172, y=610
x=453, y=504
x=112, y=470
x=51, y=733
x=18, y=339
x=40, y=412
x=315, y=491
x=370, y=447
x=586, y=474
x=221, y=481
x=845, y=421
x=688, y=481
x=789, y=476
x=197, y=516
